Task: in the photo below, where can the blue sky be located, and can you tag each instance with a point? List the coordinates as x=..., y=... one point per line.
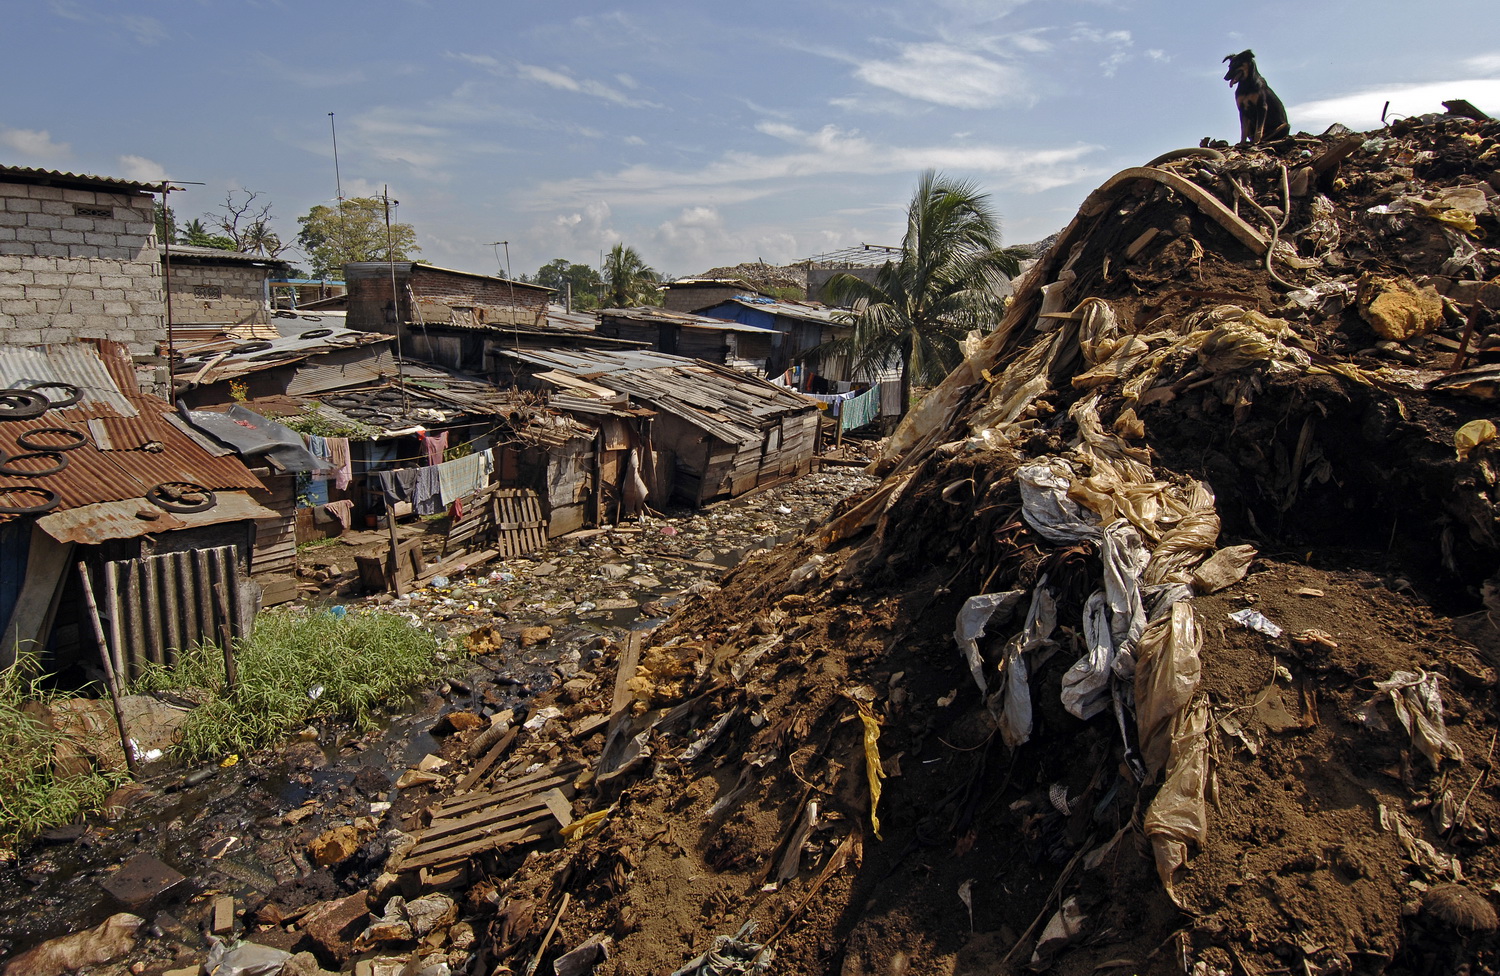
x=701, y=133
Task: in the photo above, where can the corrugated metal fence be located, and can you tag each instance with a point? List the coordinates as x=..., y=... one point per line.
x=157, y=606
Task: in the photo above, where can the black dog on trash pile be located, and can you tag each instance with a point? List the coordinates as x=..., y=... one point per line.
x=1262, y=116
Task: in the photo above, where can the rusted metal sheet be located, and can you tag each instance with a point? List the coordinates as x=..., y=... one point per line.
x=345, y=368
x=79, y=364
x=92, y=524
x=144, y=450
x=124, y=433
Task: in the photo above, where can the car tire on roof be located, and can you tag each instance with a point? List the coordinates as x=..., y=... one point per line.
x=73, y=396
x=49, y=501
x=22, y=404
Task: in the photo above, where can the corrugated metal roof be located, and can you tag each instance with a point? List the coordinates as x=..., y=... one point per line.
x=195, y=252
x=92, y=524
x=93, y=475
x=686, y=320
x=26, y=174
x=79, y=364
x=729, y=405
x=343, y=369
x=792, y=310
x=215, y=362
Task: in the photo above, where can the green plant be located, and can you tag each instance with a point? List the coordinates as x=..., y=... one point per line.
x=314, y=423
x=299, y=667
x=33, y=793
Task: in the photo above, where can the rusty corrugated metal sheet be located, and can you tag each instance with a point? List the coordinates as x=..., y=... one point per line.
x=93, y=475
x=80, y=364
x=92, y=524
x=336, y=371
x=123, y=433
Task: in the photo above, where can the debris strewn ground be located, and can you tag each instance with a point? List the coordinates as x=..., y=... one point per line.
x=1165, y=645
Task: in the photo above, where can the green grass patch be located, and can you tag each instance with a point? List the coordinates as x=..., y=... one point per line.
x=33, y=796
x=297, y=668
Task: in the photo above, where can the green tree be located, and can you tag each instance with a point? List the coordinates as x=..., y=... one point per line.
x=628, y=280
x=196, y=234
x=353, y=231
x=166, y=223
x=949, y=278
x=560, y=273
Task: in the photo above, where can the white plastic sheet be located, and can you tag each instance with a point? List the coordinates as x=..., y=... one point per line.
x=973, y=617
x=1113, y=619
x=1015, y=716
x=1046, y=506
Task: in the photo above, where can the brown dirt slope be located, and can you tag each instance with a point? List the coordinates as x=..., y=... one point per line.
x=1181, y=395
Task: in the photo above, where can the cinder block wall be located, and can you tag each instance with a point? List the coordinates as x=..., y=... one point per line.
x=240, y=293
x=79, y=264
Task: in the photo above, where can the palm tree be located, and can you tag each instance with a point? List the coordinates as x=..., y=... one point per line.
x=948, y=279
x=628, y=280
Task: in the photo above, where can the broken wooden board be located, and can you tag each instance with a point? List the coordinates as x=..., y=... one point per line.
x=525, y=811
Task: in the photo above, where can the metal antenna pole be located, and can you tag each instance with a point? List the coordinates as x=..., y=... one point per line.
x=338, y=183
x=390, y=257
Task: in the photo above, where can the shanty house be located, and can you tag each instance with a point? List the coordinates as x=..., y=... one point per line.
x=440, y=315
x=696, y=294
x=78, y=260
x=717, y=340
x=215, y=292
x=717, y=432
x=805, y=327
x=109, y=482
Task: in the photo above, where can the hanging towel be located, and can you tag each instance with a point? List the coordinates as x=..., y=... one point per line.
x=460, y=478
x=861, y=409
x=343, y=467
x=437, y=444
x=399, y=485
x=427, y=495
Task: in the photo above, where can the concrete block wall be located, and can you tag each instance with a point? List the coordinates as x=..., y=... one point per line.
x=79, y=264
x=243, y=289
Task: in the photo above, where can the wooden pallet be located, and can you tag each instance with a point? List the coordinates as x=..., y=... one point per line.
x=519, y=811
x=519, y=527
x=510, y=518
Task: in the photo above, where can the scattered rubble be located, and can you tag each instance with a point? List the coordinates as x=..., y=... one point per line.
x=1225, y=703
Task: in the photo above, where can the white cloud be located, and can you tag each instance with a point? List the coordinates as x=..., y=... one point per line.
x=634, y=141
x=1362, y=110
x=146, y=30
x=566, y=82
x=1157, y=54
x=1484, y=64
x=141, y=169
x=34, y=144
x=829, y=151
x=946, y=75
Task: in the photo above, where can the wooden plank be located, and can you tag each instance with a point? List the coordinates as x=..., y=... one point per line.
x=630, y=656
x=483, y=766
x=524, y=835
x=456, y=805
x=477, y=822
x=558, y=806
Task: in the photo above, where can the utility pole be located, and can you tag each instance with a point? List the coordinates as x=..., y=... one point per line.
x=390, y=258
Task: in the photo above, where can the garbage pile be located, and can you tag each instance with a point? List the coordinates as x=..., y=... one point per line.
x=1166, y=643
x=1160, y=648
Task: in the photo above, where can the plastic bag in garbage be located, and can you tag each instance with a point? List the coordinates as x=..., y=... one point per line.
x=243, y=959
x=973, y=617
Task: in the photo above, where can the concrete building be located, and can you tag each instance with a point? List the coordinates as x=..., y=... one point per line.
x=78, y=260
x=219, y=292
